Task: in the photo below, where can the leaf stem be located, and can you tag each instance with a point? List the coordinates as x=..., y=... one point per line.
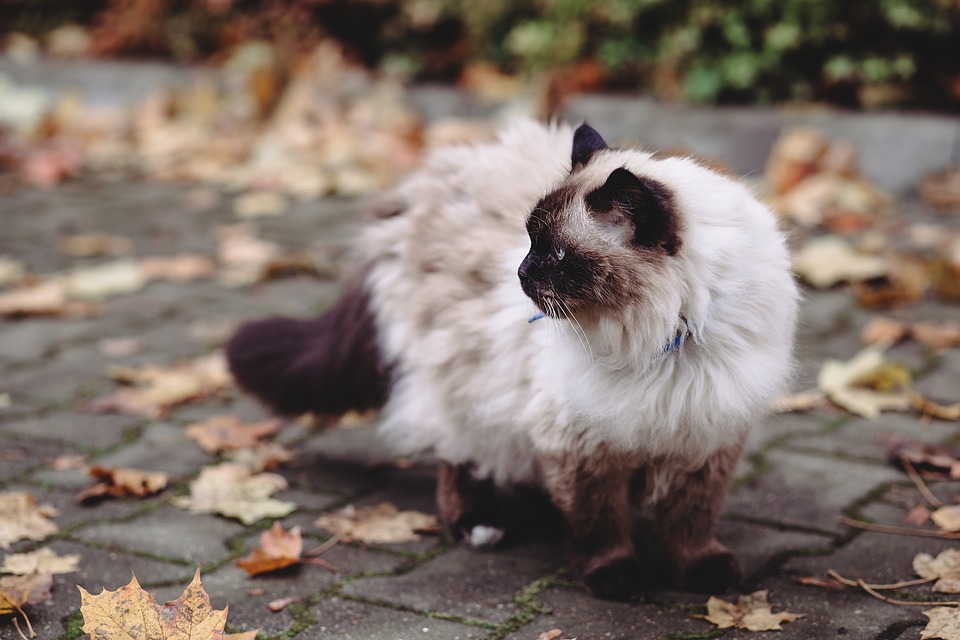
x=922, y=487
x=900, y=531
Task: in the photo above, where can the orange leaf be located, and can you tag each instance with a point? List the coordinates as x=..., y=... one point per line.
x=122, y=482
x=278, y=549
x=228, y=432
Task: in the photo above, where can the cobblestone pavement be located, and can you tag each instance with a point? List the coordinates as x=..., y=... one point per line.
x=800, y=471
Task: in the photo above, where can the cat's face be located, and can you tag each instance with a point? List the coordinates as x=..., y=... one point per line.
x=595, y=240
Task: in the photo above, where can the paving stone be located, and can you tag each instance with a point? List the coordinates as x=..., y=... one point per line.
x=578, y=615
x=807, y=491
x=171, y=533
x=17, y=457
x=757, y=546
x=349, y=620
x=248, y=596
x=84, y=431
x=479, y=585
x=865, y=439
x=161, y=447
x=846, y=615
x=33, y=339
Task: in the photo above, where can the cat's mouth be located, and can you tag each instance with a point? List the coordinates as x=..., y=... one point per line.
x=551, y=306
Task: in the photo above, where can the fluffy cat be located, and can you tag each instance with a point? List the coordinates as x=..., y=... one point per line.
x=668, y=311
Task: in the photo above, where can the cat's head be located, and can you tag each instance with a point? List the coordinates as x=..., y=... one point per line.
x=598, y=238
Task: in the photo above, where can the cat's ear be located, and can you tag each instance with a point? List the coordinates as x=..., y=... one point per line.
x=586, y=142
x=645, y=203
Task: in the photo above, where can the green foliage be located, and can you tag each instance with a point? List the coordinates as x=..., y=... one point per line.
x=854, y=52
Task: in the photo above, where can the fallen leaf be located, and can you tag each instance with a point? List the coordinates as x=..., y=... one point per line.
x=382, y=523
x=43, y=299
x=884, y=332
x=260, y=204
x=228, y=432
x=944, y=624
x=181, y=269
x=947, y=518
x=930, y=409
x=233, y=490
x=242, y=254
x=68, y=462
x=156, y=389
x=827, y=260
x=942, y=190
x=905, y=282
x=794, y=156
x=945, y=568
x=105, y=280
x=866, y=384
x=938, y=335
x=131, y=612
x=43, y=560
x=918, y=516
x=802, y=401
x=929, y=460
x=553, y=634
x=265, y=456
x=92, y=245
x=278, y=549
x=751, y=612
x=23, y=519
x=280, y=604
x=17, y=592
x=243, y=635
x=122, y=482
x=121, y=347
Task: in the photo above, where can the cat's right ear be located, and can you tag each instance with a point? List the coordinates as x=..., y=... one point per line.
x=586, y=142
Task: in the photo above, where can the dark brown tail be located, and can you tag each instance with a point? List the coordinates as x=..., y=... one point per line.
x=327, y=366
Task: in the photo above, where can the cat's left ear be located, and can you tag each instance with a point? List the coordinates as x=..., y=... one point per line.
x=648, y=204
x=586, y=142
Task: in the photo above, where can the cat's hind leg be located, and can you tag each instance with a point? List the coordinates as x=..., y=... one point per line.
x=686, y=519
x=468, y=506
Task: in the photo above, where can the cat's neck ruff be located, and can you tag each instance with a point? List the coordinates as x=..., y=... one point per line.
x=681, y=336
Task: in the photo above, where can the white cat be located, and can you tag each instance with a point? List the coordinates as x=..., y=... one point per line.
x=547, y=310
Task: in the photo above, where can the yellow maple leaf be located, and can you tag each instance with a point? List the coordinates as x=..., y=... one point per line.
x=130, y=612
x=944, y=624
x=751, y=612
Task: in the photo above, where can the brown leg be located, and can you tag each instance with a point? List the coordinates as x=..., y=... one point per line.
x=468, y=505
x=593, y=494
x=686, y=519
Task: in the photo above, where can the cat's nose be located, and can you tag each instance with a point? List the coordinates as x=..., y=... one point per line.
x=525, y=268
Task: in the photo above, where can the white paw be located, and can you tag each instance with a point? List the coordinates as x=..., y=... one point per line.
x=483, y=536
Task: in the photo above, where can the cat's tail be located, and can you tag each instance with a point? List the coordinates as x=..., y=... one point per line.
x=329, y=366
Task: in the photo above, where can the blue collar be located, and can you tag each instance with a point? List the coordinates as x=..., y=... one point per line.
x=667, y=348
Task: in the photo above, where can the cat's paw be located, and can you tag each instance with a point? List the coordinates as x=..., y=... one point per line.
x=484, y=536
x=618, y=579
x=715, y=573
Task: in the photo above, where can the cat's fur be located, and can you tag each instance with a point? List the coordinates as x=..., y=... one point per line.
x=670, y=311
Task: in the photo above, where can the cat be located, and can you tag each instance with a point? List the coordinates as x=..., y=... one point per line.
x=545, y=309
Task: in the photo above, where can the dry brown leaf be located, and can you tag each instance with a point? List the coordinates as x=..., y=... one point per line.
x=280, y=604
x=929, y=460
x=918, y=516
x=219, y=433
x=942, y=190
x=802, y=401
x=122, y=482
x=938, y=335
x=906, y=282
x=233, y=490
x=884, y=332
x=553, y=634
x=181, y=269
x=92, y=245
x=11, y=269
x=259, y=204
x=945, y=568
x=17, y=592
x=278, y=549
x=44, y=299
x=131, y=612
x=382, y=523
x=158, y=388
x=43, y=560
x=68, y=462
x=121, y=347
x=23, y=519
x=243, y=635
x=944, y=624
x=827, y=260
x=751, y=612
x=263, y=457
x=242, y=254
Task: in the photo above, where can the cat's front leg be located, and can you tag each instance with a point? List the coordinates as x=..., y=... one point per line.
x=592, y=492
x=686, y=519
x=468, y=506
